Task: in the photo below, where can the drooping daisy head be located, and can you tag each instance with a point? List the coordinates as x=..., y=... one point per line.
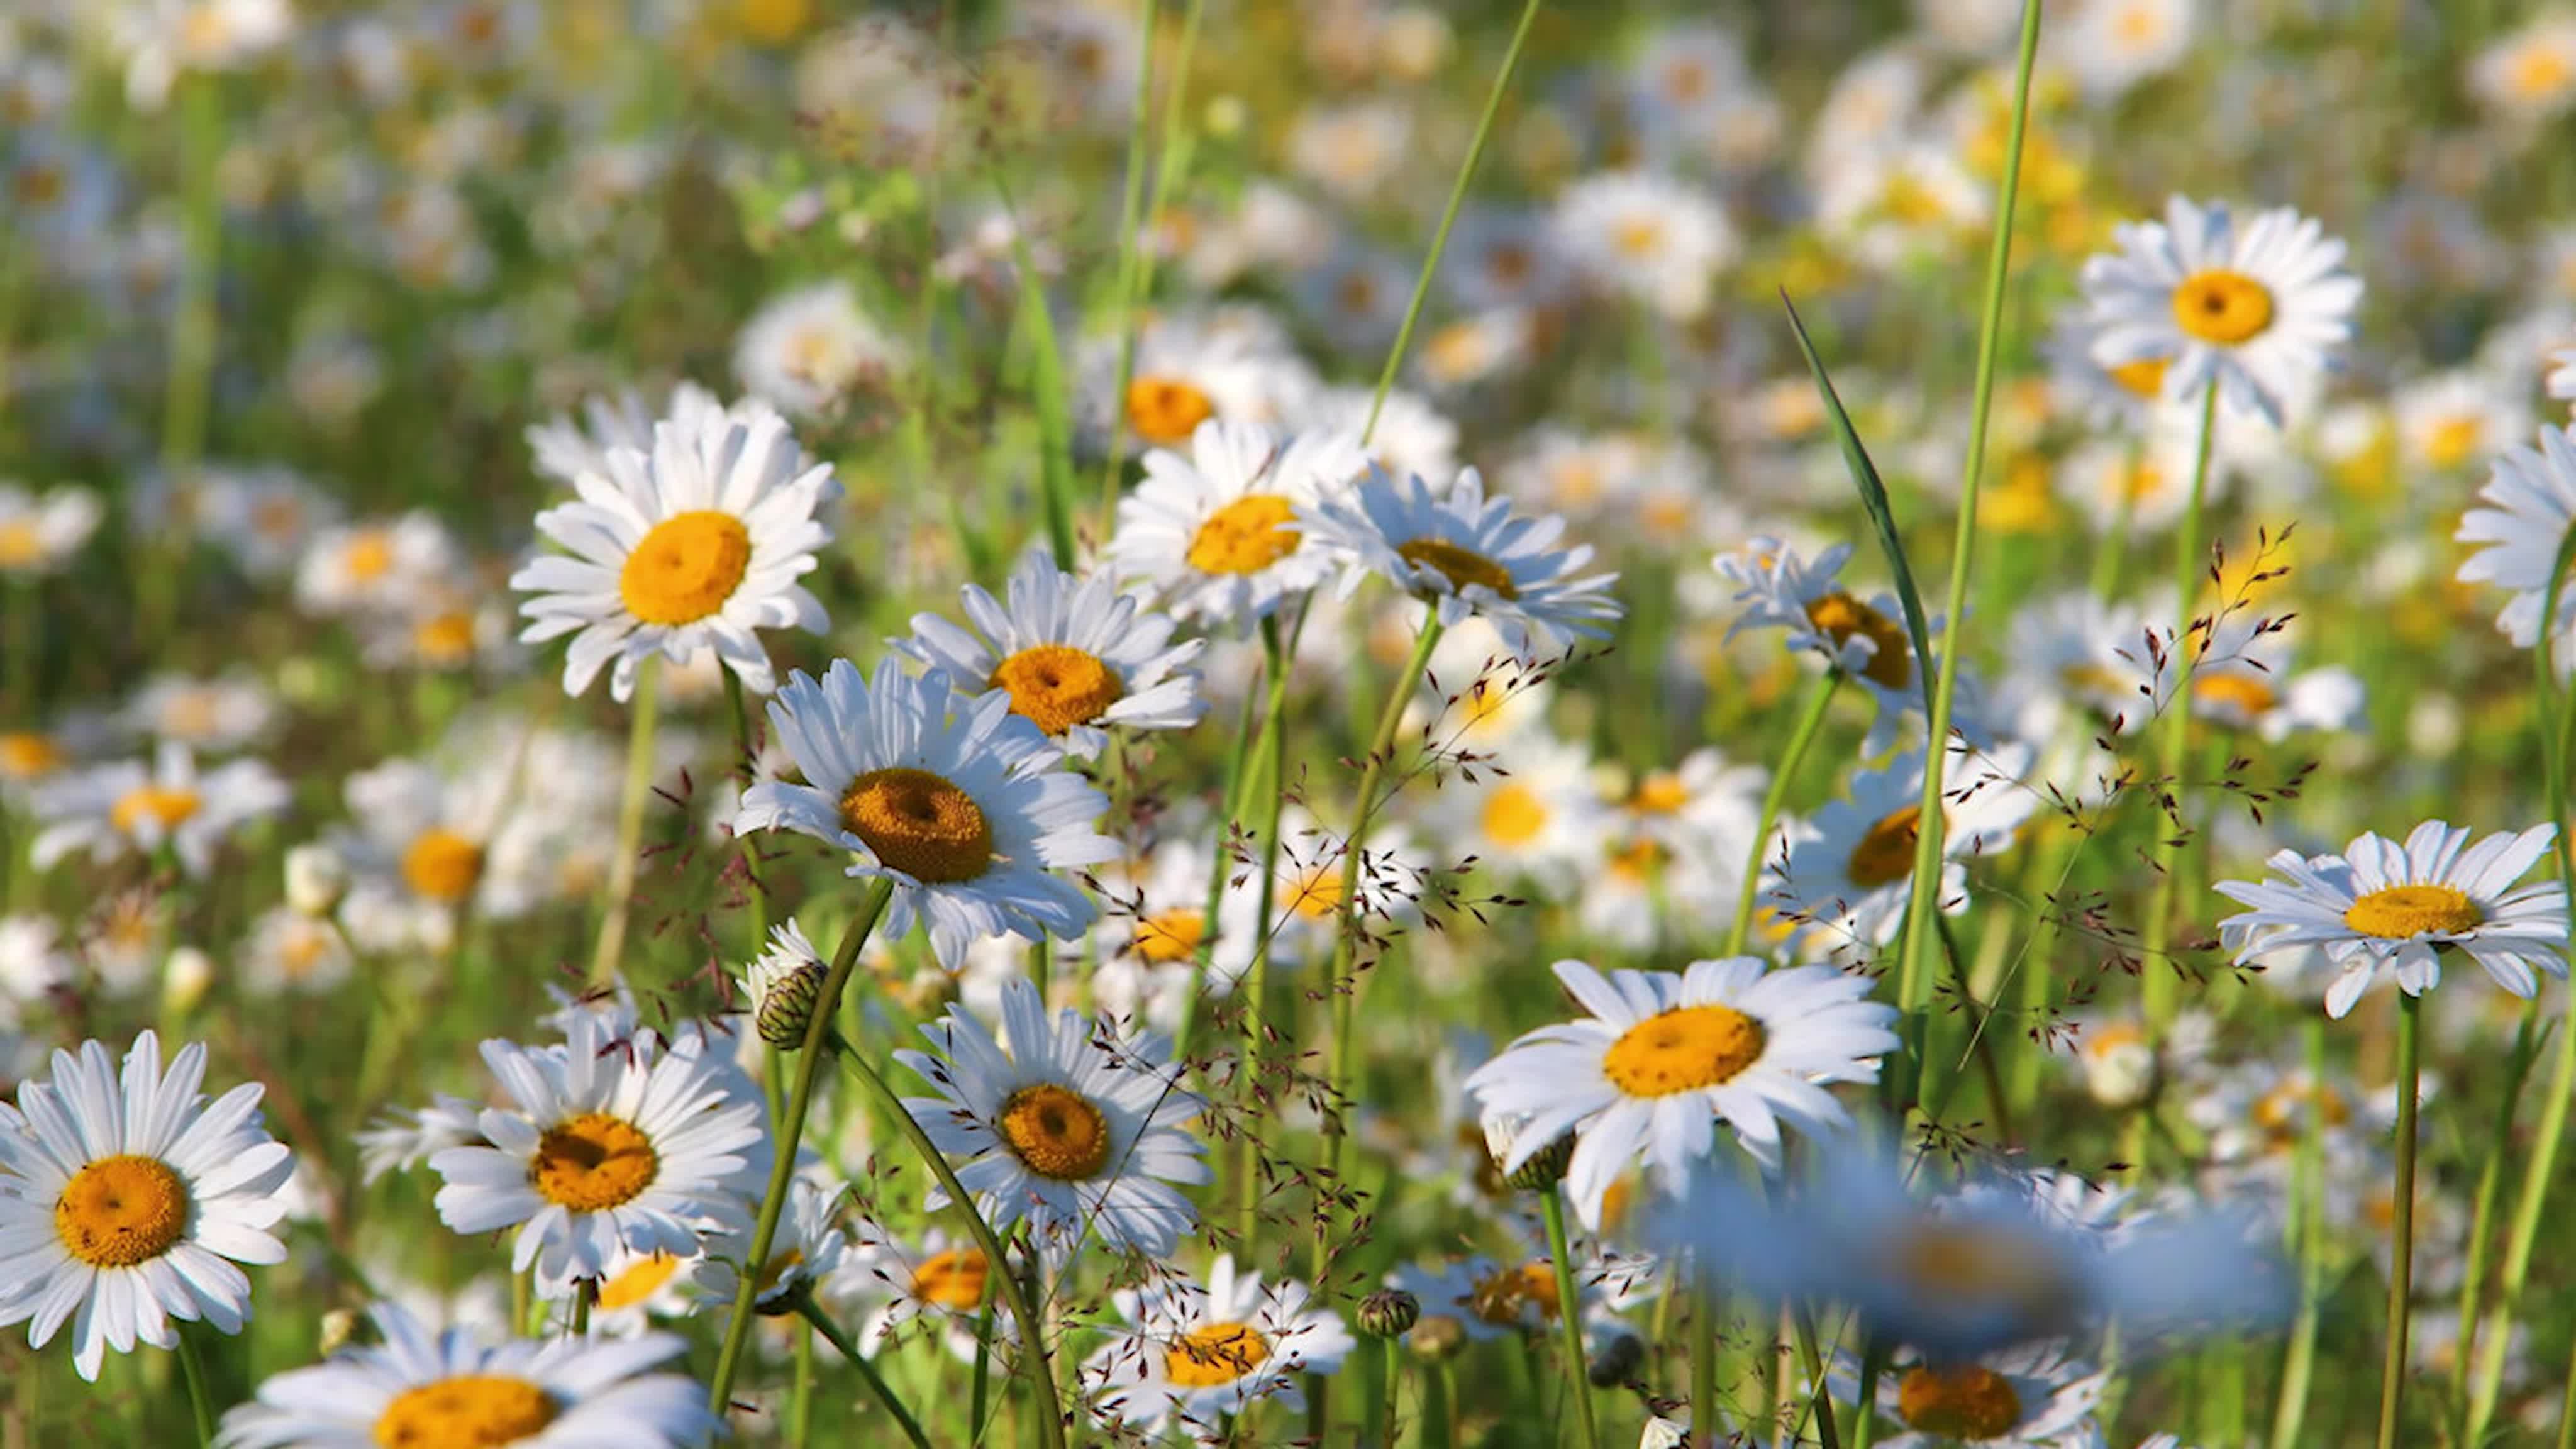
x=1849, y=874
x=2530, y=504
x=958, y=801
x=1194, y=1356
x=1864, y=638
x=2385, y=907
x=125, y=1201
x=419, y=1388
x=2253, y=312
x=694, y=545
x=810, y=350
x=1219, y=534
x=807, y=1251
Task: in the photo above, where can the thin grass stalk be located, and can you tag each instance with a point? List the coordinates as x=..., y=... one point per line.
x=1130, y=265
x=791, y=1132
x=1218, y=870
x=2298, y=1361
x=1578, y=1387
x=2158, y=984
x=1256, y=997
x=822, y=1323
x=620, y=885
x=189, y=404
x=1913, y=978
x=1393, y=1350
x=2401, y=1272
x=1820, y=1399
x=1811, y=718
x=201, y=1398
x=2473, y=1277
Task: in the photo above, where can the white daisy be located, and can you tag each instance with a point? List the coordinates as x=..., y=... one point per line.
x=451, y=1388
x=216, y=716
x=942, y=1279
x=808, y=350
x=565, y=448
x=1072, y=1128
x=1220, y=534
x=2114, y=44
x=640, y=1289
x=2453, y=420
x=1468, y=554
x=1537, y=819
x=2033, y=1397
x=2254, y=314
x=123, y=1197
x=957, y=801
x=114, y=810
x=33, y=965
x=377, y=566
x=289, y=952
x=1657, y=240
x=1486, y=1298
x=1849, y=875
x=264, y=517
x=2529, y=75
x=1196, y=1356
x=1663, y=1058
x=39, y=535
x=1189, y=370
x=2380, y=906
x=2532, y=498
x=608, y=1143
x=808, y=1249
x=1866, y=639
x=1411, y=436
x=693, y=545
x=1076, y=656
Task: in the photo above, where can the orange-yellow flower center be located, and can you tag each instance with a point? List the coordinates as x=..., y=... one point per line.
x=1966, y=1401
x=468, y=1411
x=1166, y=410
x=1687, y=1049
x=2222, y=306
x=25, y=754
x=1978, y=1263
x=918, y=823
x=21, y=546
x=120, y=1211
x=593, y=1162
x=774, y=22
x=2539, y=72
x=1246, y=536
x=1638, y=239
x=1168, y=936
x=1661, y=793
x=1056, y=686
x=1056, y=1131
x=442, y=865
x=164, y=806
x=2144, y=377
x=1214, y=1356
x=1839, y=616
x=2454, y=441
x=2394, y=913
x=1460, y=566
x=1514, y=815
x=639, y=1280
x=1499, y=1297
x=368, y=556
x=2244, y=696
x=686, y=568
x=1885, y=854
x=953, y=1279
x=445, y=638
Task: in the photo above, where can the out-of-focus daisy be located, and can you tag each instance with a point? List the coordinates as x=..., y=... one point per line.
x=2033, y=1397
x=123, y=1196
x=940, y=1278
x=1411, y=436
x=290, y=952
x=1077, y=657
x=1850, y=870
x=2529, y=75
x=1349, y=150
x=215, y=716
x=1070, y=1128
x=1219, y=534
x=809, y=350
x=2111, y=45
x=956, y=800
x=264, y=517
x=378, y=565
x=33, y=965
x=160, y=39
x=1656, y=240
x=2385, y=907
x=1189, y=370
x=2254, y=312
x=416, y=1388
x=2243, y=681
x=1485, y=1298
x=1902, y=203
x=2531, y=500
x=1539, y=820
x=608, y=1144
x=1196, y=1356
x=39, y=534
x=127, y=808
x=1468, y=554
x=694, y=545
x=808, y=1249
x=1663, y=1057
x=2452, y=420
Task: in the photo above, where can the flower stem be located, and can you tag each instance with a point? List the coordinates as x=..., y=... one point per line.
x=2298, y=1362
x=1703, y=1369
x=821, y=1323
x=800, y=1397
x=1560, y=1255
x=791, y=1130
x=201, y=1398
x=2401, y=1268
x=1393, y=1349
x=1131, y=266
x=620, y=884
x=2473, y=1280
x=1256, y=991
x=2155, y=947
x=189, y=402
x=1218, y=869
x=1811, y=718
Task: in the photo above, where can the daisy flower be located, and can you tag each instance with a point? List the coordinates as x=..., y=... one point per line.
x=2531, y=498
x=640, y=1288
x=808, y=350
x=2251, y=313
x=2034, y=1397
x=2115, y=44
x=1538, y=819
x=290, y=952
x=1850, y=870
x=809, y=1248
x=2382, y=906
x=2530, y=75
x=1658, y=241
x=1070, y=1127
x=693, y=545
x=608, y=1143
x=1222, y=534
x=1190, y=370
x=2453, y=420
x=956, y=800
x=1864, y=638
x=1411, y=436
x=1485, y=1298
x=564, y=448
x=114, y=810
x=1076, y=656
x=374, y=567
x=450, y=1388
x=942, y=1278
x=264, y=517
x=1469, y=555
x=1663, y=1058
x=123, y=1196
x=1197, y=1355
x=39, y=535
x=216, y=716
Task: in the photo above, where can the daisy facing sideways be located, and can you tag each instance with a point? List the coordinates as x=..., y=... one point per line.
x=125, y=1200
x=1196, y=1355
x=2381, y=906
x=127, y=807
x=2032, y=1397
x=2530, y=502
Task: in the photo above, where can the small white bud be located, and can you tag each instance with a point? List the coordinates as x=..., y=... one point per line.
x=316, y=877
x=184, y=979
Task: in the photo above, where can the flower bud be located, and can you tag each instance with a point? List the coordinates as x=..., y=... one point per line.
x=184, y=979
x=1437, y=1338
x=1389, y=1312
x=339, y=1329
x=1545, y=1167
x=316, y=877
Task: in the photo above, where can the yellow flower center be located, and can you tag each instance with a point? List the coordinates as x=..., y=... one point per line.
x=2137, y=25
x=1910, y=202
x=120, y=1211
x=1637, y=861
x=2394, y=913
x=368, y=556
x=1246, y=536
x=774, y=21
x=2538, y=72
x=2222, y=306
x=1687, y=1049
x=953, y=1279
x=442, y=865
x=1214, y=1356
x=640, y=1280
x=2453, y=441
x=918, y=823
x=1056, y=1131
x=593, y=1162
x=469, y=1411
x=1966, y=1401
x=2145, y=377
x=1639, y=239
x=165, y=806
x=2240, y=694
x=1169, y=936
x=306, y=946
x=1319, y=893
x=446, y=638
x=25, y=754
x=1839, y=616
x=1885, y=854
x=1460, y=566
x=20, y=545
x=1166, y=410
x=2283, y=1111
x=1661, y=793
x=1056, y=687
x=686, y=568
x=1498, y=1298
x=1514, y=815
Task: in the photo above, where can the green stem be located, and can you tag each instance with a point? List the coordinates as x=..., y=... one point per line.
x=2160, y=986
x=584, y=1294
x=1820, y=1398
x=981, y=1381
x=1914, y=981
x=1218, y=870
x=791, y=1132
x=1439, y=1424
x=1449, y=215
x=201, y=1398
x=1256, y=983
x=2298, y=1362
x=821, y=1323
x=2473, y=1279
x=1811, y=718
x=1703, y=1368
x=1873, y=1362
x=1578, y=1387
x=1393, y=1367
x=1131, y=267
x=620, y=884
x=800, y=1397
x=189, y=403
x=2401, y=1268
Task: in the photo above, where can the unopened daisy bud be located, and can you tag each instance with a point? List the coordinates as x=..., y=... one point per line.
x=2119, y=1065
x=339, y=1328
x=316, y=877
x=1389, y=1312
x=184, y=979
x=784, y=984
x=1434, y=1339
x=1545, y=1167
